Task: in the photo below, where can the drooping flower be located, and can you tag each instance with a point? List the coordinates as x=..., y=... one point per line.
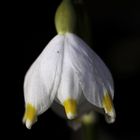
x=67, y=76
x=70, y=74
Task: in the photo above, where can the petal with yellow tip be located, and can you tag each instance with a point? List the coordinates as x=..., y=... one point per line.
x=93, y=74
x=70, y=106
x=30, y=116
x=108, y=107
x=42, y=79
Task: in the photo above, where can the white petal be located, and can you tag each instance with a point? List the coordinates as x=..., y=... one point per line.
x=42, y=79
x=86, y=107
x=69, y=85
x=92, y=72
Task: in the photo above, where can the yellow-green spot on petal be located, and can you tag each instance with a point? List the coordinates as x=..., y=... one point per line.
x=107, y=102
x=70, y=106
x=30, y=115
x=108, y=107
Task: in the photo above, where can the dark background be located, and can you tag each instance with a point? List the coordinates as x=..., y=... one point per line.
x=116, y=38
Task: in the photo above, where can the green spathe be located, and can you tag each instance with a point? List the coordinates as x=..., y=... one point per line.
x=65, y=17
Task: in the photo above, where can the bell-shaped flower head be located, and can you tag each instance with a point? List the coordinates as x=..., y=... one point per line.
x=68, y=75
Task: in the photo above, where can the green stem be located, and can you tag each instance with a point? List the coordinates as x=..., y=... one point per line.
x=89, y=126
x=89, y=131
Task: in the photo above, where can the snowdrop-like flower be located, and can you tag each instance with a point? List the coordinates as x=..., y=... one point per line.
x=68, y=73
x=68, y=76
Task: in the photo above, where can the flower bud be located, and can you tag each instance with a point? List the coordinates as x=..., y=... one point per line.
x=65, y=17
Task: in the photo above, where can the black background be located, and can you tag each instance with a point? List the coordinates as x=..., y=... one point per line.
x=116, y=38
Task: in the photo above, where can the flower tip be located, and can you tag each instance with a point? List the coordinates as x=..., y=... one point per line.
x=71, y=115
x=70, y=106
x=110, y=116
x=109, y=119
x=28, y=124
x=30, y=116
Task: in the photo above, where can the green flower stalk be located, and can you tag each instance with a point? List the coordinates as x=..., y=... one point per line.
x=89, y=126
x=65, y=18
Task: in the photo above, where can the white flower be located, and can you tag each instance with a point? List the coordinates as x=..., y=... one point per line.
x=67, y=73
